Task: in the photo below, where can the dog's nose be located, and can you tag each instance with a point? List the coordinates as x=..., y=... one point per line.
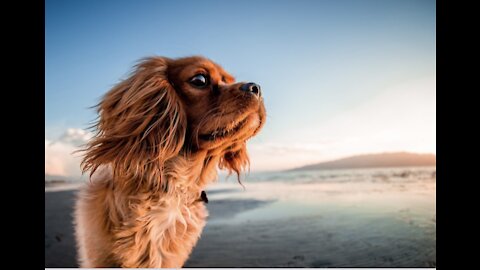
x=251, y=88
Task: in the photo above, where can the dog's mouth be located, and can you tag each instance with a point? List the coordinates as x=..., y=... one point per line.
x=223, y=132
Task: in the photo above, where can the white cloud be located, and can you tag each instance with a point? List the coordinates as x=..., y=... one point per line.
x=60, y=159
x=75, y=136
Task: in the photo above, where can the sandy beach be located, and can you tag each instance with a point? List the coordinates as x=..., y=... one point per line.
x=378, y=223
x=60, y=242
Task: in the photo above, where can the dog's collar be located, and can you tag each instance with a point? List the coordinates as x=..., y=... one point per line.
x=203, y=197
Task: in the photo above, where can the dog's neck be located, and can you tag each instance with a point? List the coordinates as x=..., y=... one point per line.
x=186, y=176
x=194, y=171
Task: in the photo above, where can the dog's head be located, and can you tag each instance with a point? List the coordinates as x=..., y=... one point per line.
x=170, y=107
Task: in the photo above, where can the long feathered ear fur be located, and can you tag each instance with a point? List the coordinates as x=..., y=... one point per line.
x=142, y=124
x=235, y=159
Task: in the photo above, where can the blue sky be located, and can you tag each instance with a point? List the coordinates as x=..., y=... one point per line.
x=339, y=77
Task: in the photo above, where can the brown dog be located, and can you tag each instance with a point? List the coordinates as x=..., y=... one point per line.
x=161, y=135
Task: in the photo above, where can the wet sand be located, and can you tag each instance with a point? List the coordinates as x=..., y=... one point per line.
x=59, y=238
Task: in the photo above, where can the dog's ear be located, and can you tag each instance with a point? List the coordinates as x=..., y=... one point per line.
x=142, y=124
x=235, y=159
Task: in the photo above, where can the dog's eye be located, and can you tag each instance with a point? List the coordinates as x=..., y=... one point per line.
x=199, y=80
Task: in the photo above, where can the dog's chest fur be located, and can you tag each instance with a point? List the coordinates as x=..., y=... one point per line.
x=136, y=229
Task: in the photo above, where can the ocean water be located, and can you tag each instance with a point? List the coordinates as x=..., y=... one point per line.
x=408, y=193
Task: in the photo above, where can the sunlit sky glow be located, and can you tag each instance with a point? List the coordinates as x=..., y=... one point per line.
x=339, y=77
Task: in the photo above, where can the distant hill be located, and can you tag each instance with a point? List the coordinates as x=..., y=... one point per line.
x=399, y=159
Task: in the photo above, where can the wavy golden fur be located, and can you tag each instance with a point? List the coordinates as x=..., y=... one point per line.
x=161, y=135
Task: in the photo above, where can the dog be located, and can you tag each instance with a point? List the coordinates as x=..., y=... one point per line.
x=160, y=138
